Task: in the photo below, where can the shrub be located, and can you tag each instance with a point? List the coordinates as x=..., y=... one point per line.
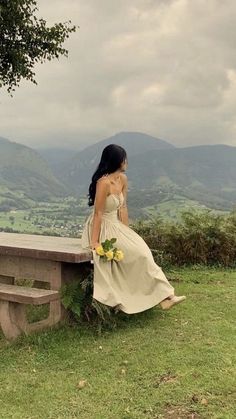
x=200, y=238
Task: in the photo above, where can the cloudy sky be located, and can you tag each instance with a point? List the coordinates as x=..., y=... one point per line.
x=162, y=67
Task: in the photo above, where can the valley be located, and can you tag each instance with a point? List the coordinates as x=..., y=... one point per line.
x=66, y=216
x=43, y=191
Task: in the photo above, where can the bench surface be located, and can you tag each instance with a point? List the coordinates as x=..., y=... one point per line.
x=27, y=295
x=63, y=249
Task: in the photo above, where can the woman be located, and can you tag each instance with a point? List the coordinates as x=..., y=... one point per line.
x=136, y=283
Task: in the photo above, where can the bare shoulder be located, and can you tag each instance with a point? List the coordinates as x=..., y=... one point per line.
x=104, y=179
x=103, y=183
x=124, y=179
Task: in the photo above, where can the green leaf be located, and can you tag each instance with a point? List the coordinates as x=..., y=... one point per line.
x=67, y=301
x=27, y=40
x=76, y=309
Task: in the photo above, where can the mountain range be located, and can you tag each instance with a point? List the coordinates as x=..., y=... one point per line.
x=82, y=165
x=206, y=173
x=157, y=170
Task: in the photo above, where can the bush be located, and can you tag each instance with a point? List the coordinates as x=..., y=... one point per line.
x=200, y=238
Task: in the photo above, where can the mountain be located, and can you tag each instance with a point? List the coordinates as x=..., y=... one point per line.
x=23, y=170
x=211, y=166
x=56, y=157
x=204, y=173
x=158, y=172
x=3, y=140
x=77, y=172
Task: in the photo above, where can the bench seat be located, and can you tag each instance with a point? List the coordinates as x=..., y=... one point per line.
x=27, y=295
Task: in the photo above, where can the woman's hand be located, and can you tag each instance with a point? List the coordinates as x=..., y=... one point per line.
x=94, y=245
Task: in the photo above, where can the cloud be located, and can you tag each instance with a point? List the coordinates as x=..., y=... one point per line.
x=163, y=67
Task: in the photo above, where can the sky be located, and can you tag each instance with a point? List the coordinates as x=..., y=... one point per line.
x=162, y=67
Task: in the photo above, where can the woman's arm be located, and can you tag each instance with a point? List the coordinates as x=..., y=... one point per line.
x=123, y=211
x=102, y=189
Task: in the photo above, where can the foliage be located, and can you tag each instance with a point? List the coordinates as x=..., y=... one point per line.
x=77, y=298
x=26, y=40
x=108, y=244
x=201, y=238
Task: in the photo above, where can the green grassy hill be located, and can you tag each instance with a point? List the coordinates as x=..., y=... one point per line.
x=206, y=174
x=25, y=175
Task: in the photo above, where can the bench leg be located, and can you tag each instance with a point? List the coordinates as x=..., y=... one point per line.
x=54, y=317
x=12, y=319
x=57, y=312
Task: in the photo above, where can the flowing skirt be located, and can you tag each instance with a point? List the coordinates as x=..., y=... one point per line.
x=134, y=284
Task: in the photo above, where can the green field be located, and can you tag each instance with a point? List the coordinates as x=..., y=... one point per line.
x=155, y=364
x=62, y=217
x=170, y=209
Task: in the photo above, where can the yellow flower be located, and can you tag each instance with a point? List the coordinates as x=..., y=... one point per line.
x=100, y=251
x=119, y=255
x=109, y=255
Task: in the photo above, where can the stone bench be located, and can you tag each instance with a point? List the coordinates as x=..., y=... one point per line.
x=47, y=261
x=13, y=301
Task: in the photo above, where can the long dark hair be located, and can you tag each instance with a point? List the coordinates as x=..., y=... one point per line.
x=111, y=160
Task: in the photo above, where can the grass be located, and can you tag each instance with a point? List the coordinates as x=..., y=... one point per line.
x=155, y=364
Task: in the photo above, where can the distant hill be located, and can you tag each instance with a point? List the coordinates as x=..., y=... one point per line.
x=77, y=172
x=158, y=171
x=22, y=169
x=211, y=166
x=56, y=157
x=4, y=140
x=203, y=173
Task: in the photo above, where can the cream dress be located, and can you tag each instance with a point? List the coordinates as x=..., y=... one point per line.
x=135, y=283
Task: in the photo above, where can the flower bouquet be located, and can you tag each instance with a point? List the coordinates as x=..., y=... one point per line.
x=108, y=252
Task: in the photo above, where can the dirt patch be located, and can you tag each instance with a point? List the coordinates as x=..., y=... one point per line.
x=165, y=379
x=179, y=412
